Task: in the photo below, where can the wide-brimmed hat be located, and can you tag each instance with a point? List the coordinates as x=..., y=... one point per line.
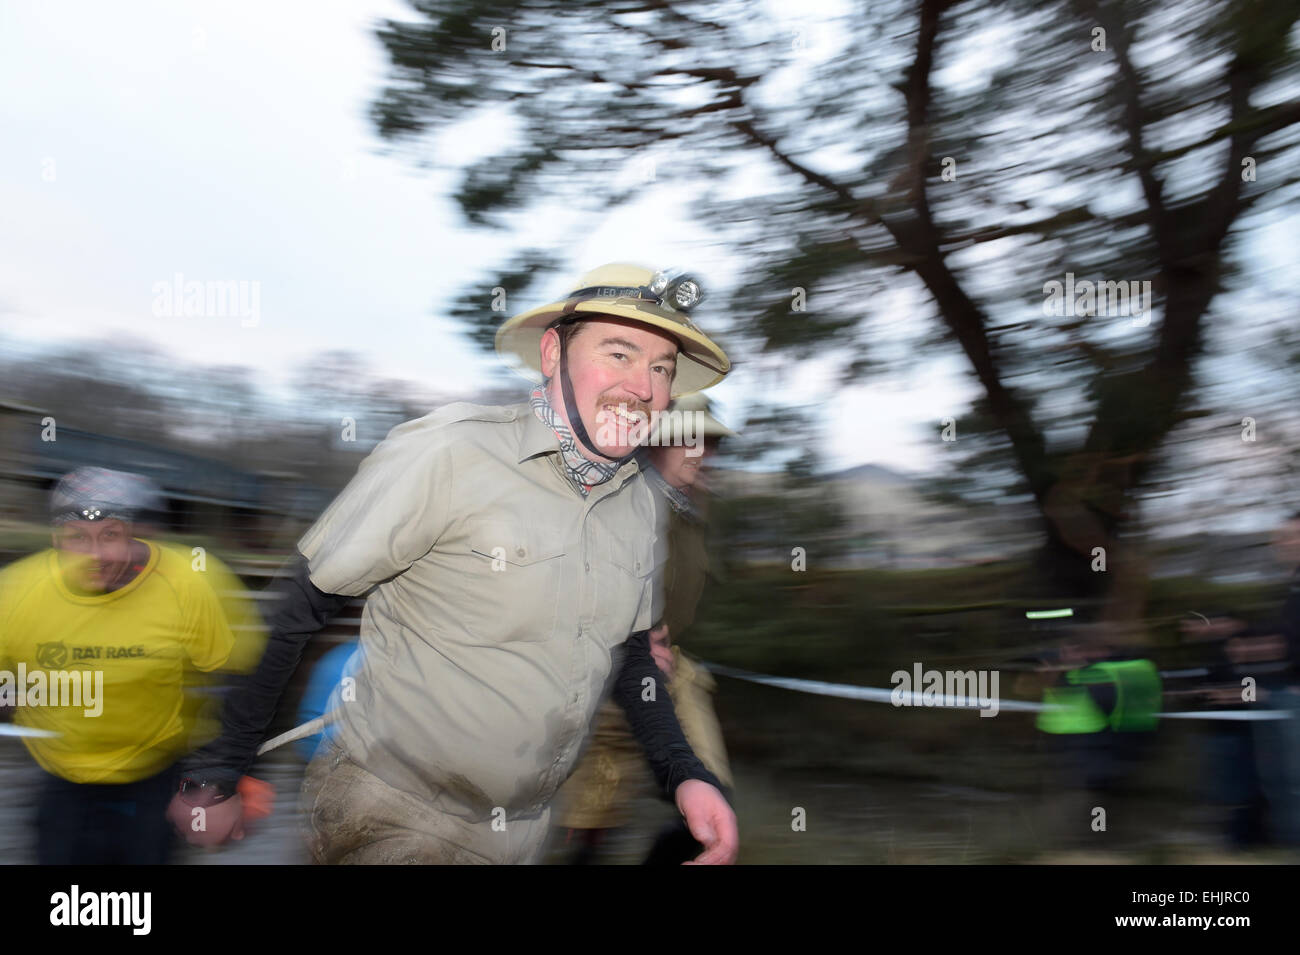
x=661, y=300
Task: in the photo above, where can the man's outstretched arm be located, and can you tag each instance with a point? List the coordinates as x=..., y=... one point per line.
x=642, y=692
x=300, y=612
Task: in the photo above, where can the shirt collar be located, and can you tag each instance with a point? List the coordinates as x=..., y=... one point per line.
x=534, y=437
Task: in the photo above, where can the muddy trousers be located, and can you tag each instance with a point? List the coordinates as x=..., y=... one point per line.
x=355, y=818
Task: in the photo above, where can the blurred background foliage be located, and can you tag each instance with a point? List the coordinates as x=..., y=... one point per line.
x=920, y=170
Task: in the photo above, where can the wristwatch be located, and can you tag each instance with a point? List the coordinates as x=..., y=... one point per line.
x=195, y=787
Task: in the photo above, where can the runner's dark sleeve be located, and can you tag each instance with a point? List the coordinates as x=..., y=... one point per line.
x=300, y=611
x=653, y=722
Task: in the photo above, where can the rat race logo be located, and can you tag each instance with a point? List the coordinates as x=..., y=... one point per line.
x=57, y=655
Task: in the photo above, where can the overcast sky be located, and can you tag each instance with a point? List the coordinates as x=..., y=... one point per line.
x=221, y=141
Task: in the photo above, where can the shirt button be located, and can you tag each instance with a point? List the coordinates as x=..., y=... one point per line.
x=519, y=551
x=587, y=564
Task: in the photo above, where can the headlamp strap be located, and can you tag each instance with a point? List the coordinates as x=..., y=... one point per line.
x=575, y=416
x=638, y=292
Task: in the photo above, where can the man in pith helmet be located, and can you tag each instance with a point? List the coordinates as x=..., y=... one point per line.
x=508, y=556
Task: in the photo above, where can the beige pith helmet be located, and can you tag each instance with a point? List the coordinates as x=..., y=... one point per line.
x=671, y=428
x=632, y=292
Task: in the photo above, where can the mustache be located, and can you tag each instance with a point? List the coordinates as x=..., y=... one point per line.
x=632, y=404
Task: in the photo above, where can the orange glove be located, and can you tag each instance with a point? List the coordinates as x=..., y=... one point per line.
x=258, y=797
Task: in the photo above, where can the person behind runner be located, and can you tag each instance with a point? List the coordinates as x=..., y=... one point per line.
x=600, y=795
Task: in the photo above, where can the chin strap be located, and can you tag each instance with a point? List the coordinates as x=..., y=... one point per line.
x=575, y=417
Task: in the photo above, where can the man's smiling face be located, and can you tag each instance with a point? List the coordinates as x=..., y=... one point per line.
x=621, y=371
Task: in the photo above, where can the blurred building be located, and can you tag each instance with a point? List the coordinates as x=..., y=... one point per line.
x=890, y=520
x=203, y=496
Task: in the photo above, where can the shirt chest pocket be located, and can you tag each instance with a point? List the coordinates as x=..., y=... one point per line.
x=515, y=580
x=628, y=578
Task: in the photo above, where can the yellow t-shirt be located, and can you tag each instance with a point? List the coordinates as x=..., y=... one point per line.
x=106, y=672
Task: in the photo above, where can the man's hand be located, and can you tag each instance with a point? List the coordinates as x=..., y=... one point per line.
x=662, y=651
x=711, y=822
x=214, y=824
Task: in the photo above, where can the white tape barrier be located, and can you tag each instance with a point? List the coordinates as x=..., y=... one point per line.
x=310, y=728
x=844, y=691
x=879, y=695
x=8, y=729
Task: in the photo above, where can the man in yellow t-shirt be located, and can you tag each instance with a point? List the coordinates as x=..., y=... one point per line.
x=97, y=636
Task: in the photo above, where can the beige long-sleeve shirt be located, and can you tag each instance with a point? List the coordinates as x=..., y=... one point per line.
x=500, y=595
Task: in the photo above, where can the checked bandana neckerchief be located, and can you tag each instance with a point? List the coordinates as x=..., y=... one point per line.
x=584, y=473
